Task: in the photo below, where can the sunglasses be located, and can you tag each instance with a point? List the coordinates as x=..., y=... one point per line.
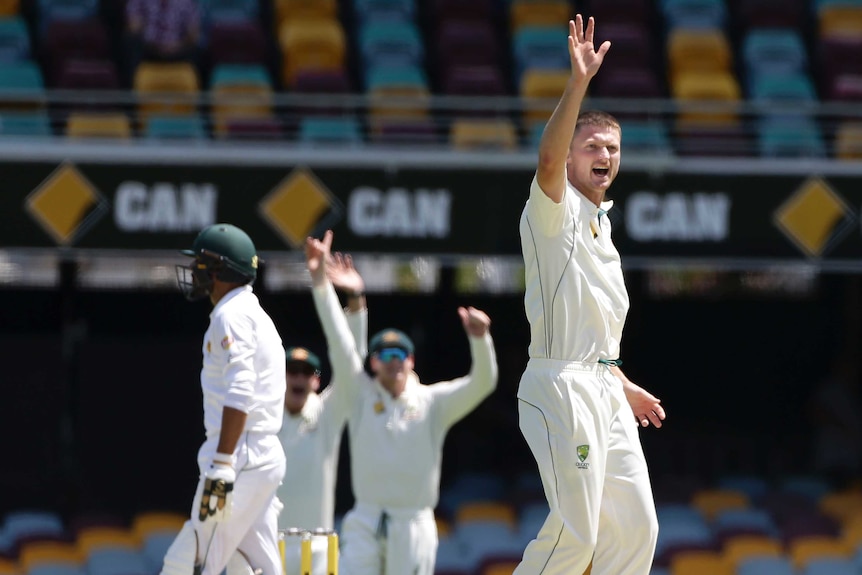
x=389, y=353
x=301, y=369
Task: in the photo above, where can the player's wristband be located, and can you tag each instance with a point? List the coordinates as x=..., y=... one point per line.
x=223, y=458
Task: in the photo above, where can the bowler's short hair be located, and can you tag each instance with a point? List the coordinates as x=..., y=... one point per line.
x=597, y=118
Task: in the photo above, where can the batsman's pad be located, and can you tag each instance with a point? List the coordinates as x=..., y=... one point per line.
x=238, y=565
x=182, y=554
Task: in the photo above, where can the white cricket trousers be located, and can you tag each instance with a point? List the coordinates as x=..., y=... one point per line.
x=375, y=541
x=583, y=434
x=253, y=524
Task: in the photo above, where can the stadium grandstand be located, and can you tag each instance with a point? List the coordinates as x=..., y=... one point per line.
x=410, y=128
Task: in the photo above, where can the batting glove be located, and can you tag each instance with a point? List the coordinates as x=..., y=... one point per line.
x=218, y=489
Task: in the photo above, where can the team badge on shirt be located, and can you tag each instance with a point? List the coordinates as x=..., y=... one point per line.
x=209, y=347
x=226, y=341
x=583, y=452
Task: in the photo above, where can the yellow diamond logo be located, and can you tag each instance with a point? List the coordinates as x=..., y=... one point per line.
x=298, y=206
x=65, y=204
x=815, y=217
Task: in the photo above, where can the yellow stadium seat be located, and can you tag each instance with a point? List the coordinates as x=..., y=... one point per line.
x=698, y=51
x=500, y=568
x=834, y=20
x=547, y=85
x=10, y=7
x=841, y=505
x=444, y=528
x=803, y=549
x=741, y=547
x=148, y=522
x=165, y=88
x=305, y=10
x=851, y=533
x=486, y=511
x=848, y=141
x=311, y=45
x=700, y=563
x=94, y=125
x=8, y=567
x=239, y=102
x=474, y=134
x=539, y=13
x=41, y=552
x=93, y=538
x=711, y=501
x=397, y=103
x=701, y=94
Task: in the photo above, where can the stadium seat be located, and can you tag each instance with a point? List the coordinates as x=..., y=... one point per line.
x=55, y=569
x=49, y=11
x=790, y=137
x=538, y=13
x=475, y=10
x=393, y=44
x=841, y=505
x=452, y=557
x=838, y=20
x=175, y=128
x=773, y=51
x=116, y=561
x=239, y=91
x=632, y=44
x=384, y=10
x=712, y=138
x=803, y=550
x=846, y=87
x=700, y=563
x=84, y=40
x=694, y=14
x=634, y=82
x=146, y=523
x=766, y=565
x=781, y=87
x=480, y=80
x=24, y=78
x=544, y=87
x=499, y=567
x=330, y=130
x=539, y=47
x=397, y=92
x=165, y=88
x=830, y=566
x=770, y=13
x=93, y=125
x=93, y=539
x=754, y=486
x=10, y=7
x=322, y=82
x=14, y=39
x=697, y=51
x=237, y=42
x=741, y=548
x=23, y=523
x=154, y=547
x=810, y=487
x=305, y=10
x=420, y=131
x=262, y=128
x=484, y=539
x=485, y=511
x=646, y=138
x=395, y=77
x=88, y=75
x=465, y=43
x=848, y=141
x=734, y=521
x=311, y=45
x=717, y=90
x=48, y=553
x=474, y=134
x=606, y=12
x=25, y=124
x=228, y=10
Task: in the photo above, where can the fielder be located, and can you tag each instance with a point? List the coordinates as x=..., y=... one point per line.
x=397, y=428
x=312, y=429
x=576, y=407
x=234, y=515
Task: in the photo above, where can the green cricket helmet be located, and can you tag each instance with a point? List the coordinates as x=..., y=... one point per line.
x=221, y=251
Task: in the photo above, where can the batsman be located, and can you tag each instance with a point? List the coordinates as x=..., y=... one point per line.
x=234, y=515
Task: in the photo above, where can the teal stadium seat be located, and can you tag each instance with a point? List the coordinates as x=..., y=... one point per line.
x=782, y=88
x=782, y=137
x=242, y=10
x=25, y=124
x=694, y=13
x=14, y=39
x=330, y=130
x=384, y=10
x=390, y=44
x=646, y=138
x=21, y=77
x=247, y=75
x=386, y=77
x=538, y=47
x=820, y=4
x=175, y=128
x=773, y=50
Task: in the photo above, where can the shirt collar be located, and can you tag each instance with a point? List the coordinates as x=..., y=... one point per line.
x=229, y=296
x=588, y=206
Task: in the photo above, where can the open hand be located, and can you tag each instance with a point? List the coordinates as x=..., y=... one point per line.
x=316, y=254
x=584, y=58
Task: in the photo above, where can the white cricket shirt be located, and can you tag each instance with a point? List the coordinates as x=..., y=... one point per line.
x=243, y=364
x=396, y=444
x=311, y=440
x=575, y=300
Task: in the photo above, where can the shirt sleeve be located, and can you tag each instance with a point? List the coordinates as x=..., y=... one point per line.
x=546, y=215
x=343, y=355
x=455, y=399
x=236, y=336
x=358, y=322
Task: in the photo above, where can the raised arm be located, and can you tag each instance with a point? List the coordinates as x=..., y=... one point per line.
x=554, y=146
x=347, y=279
x=455, y=399
x=346, y=361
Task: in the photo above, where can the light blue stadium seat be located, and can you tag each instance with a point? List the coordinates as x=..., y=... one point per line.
x=221, y=10
x=240, y=74
x=14, y=39
x=452, y=555
x=646, y=138
x=760, y=565
x=57, y=569
x=753, y=486
x=681, y=524
x=751, y=519
x=538, y=47
x=773, y=50
x=22, y=523
x=21, y=77
x=384, y=10
x=330, y=130
x=116, y=561
x=395, y=76
x=530, y=521
x=790, y=138
x=391, y=44
x=812, y=487
x=482, y=539
x=175, y=128
x=473, y=486
x=694, y=13
x=830, y=566
x=25, y=124
x=154, y=547
x=782, y=88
